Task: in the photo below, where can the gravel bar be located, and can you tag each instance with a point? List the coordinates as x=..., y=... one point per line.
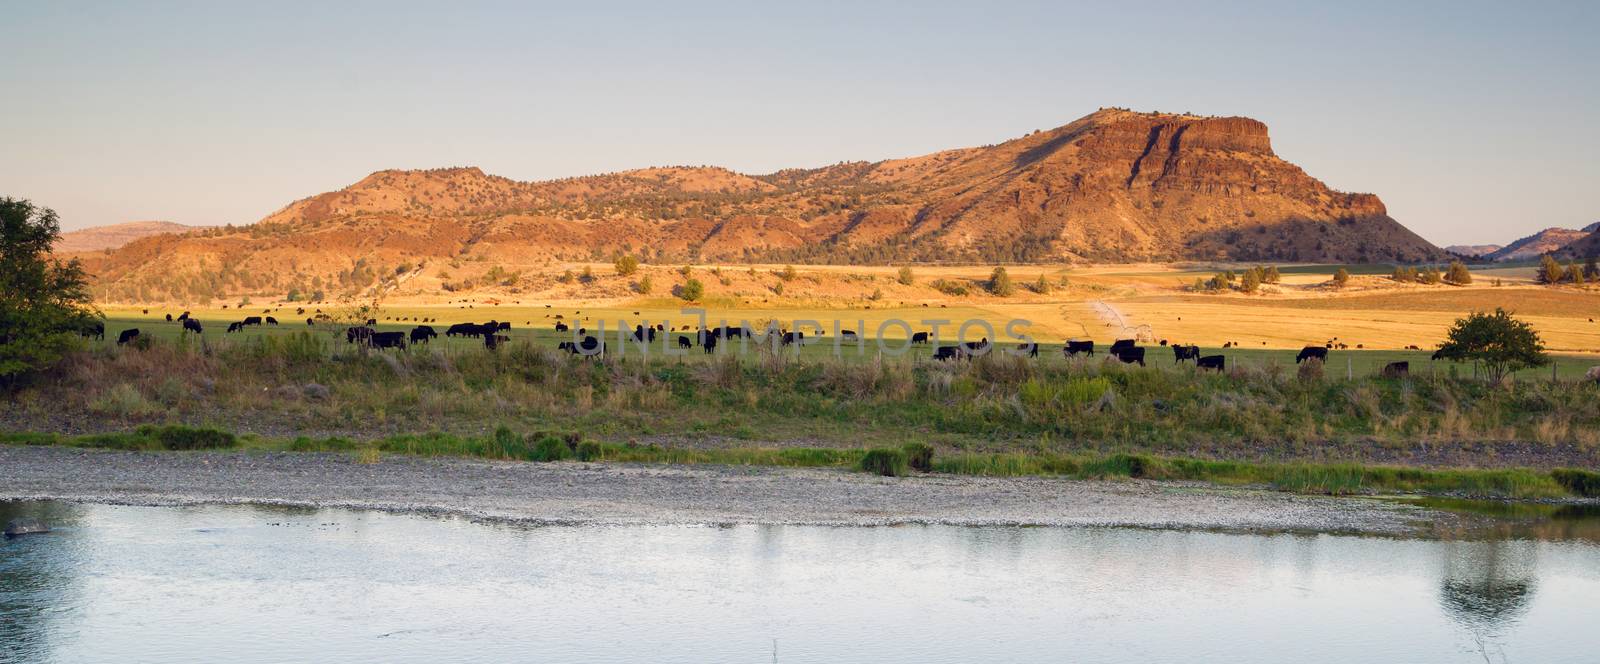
x=640, y=494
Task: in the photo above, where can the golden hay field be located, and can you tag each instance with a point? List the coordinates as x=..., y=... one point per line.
x=1102, y=303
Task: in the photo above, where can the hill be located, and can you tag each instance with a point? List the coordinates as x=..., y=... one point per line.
x=1473, y=250
x=97, y=238
x=1547, y=241
x=1114, y=186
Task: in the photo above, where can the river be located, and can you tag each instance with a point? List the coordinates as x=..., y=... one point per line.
x=259, y=584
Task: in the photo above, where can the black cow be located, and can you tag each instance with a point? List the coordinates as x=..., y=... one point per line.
x=251, y=320
x=169, y=318
x=462, y=329
x=1309, y=352
x=1122, y=344
x=235, y=327
x=943, y=353
x=272, y=321
x=127, y=335
x=920, y=338
x=1397, y=370
x=849, y=335
x=1131, y=355
x=386, y=339
x=183, y=316
x=354, y=334
x=794, y=337
x=422, y=334
x=1438, y=355
x=94, y=329
x=1075, y=347
x=562, y=327
x=371, y=322
x=1030, y=348
x=192, y=325
x=710, y=343
x=492, y=341
x=1217, y=362
x=1181, y=353
x=684, y=342
x=311, y=322
x=971, y=348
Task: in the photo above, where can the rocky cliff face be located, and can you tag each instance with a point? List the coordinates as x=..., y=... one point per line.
x=1113, y=186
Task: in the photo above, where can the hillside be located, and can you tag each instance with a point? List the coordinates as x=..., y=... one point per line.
x=1583, y=247
x=112, y=236
x=1114, y=186
x=1547, y=241
x=1473, y=250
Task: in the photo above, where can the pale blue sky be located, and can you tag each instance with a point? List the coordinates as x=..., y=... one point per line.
x=1475, y=122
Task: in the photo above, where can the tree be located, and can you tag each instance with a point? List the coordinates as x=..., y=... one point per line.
x=1341, y=278
x=626, y=265
x=1500, y=342
x=1458, y=274
x=1000, y=283
x=1590, y=270
x=645, y=285
x=1431, y=276
x=1251, y=281
x=906, y=278
x=44, y=303
x=1272, y=275
x=691, y=290
x=1550, y=271
x=1042, y=286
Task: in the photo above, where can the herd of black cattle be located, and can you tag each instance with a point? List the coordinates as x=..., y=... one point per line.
x=1126, y=350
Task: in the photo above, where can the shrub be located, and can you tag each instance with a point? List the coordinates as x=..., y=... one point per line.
x=551, y=448
x=905, y=277
x=1310, y=371
x=627, y=265
x=179, y=437
x=1582, y=482
x=1000, y=283
x=589, y=451
x=919, y=456
x=691, y=290
x=1341, y=277
x=885, y=462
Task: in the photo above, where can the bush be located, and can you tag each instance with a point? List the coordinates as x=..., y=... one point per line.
x=627, y=265
x=1341, y=277
x=691, y=290
x=1582, y=482
x=179, y=437
x=905, y=277
x=1000, y=283
x=1310, y=371
x=589, y=451
x=885, y=462
x=920, y=456
x=551, y=448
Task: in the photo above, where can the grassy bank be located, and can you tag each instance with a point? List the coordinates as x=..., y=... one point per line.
x=504, y=444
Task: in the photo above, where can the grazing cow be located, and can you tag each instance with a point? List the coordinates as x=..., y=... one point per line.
x=127, y=335
x=183, y=316
x=794, y=337
x=1217, y=362
x=1227, y=344
x=169, y=318
x=193, y=325
x=1075, y=347
x=1181, y=353
x=251, y=320
x=684, y=342
x=1131, y=355
x=710, y=343
x=973, y=348
x=94, y=329
x=920, y=338
x=1122, y=344
x=493, y=341
x=387, y=340
x=562, y=327
x=354, y=334
x=422, y=334
x=272, y=321
x=371, y=322
x=1438, y=355
x=311, y=322
x=235, y=326
x=589, y=346
x=943, y=353
x=1310, y=352
x=849, y=335
x=1031, y=349
x=1397, y=370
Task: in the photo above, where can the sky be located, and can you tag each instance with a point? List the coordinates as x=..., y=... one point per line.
x=1474, y=121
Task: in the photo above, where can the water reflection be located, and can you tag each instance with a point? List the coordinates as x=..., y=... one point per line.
x=227, y=582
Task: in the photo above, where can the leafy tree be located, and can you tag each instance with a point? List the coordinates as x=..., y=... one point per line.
x=1500, y=342
x=1341, y=277
x=1574, y=274
x=626, y=265
x=1272, y=276
x=1458, y=274
x=1550, y=271
x=1000, y=283
x=1431, y=276
x=692, y=290
x=1403, y=274
x=44, y=303
x=1251, y=282
x=906, y=279
x=1042, y=286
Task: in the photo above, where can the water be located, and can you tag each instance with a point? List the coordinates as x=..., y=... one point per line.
x=243, y=584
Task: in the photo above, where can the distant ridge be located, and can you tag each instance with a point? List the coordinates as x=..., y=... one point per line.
x=97, y=238
x=1114, y=186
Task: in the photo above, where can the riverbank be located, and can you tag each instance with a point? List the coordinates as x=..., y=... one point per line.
x=640, y=494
